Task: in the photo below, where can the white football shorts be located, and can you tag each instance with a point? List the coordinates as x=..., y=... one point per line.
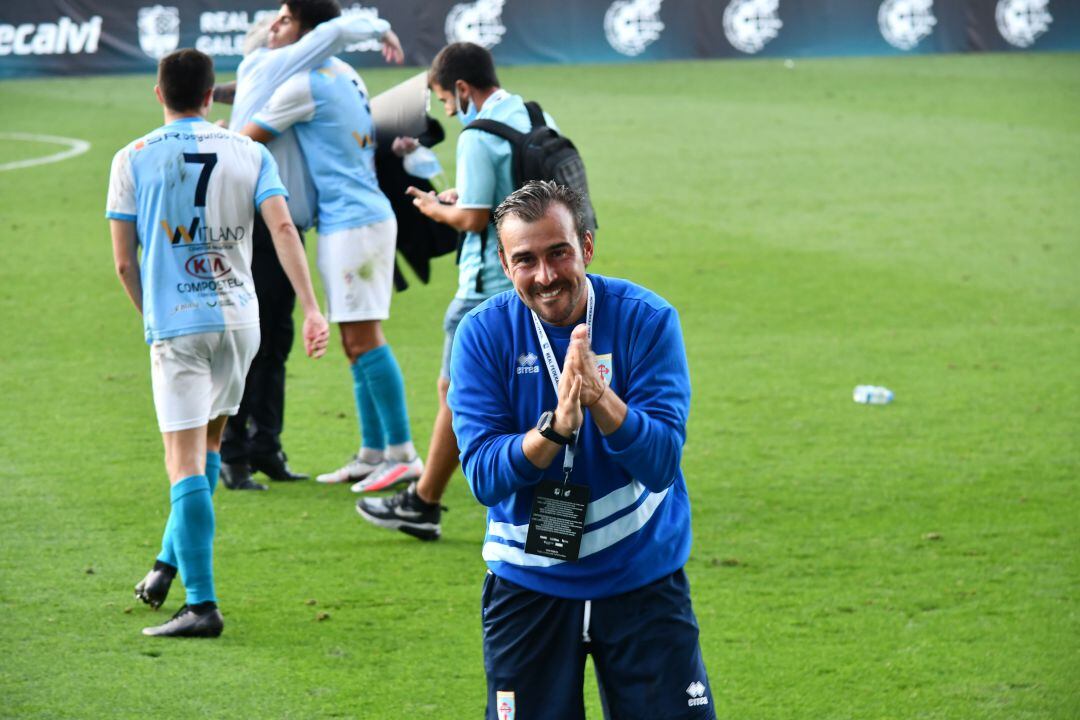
x=357, y=270
x=199, y=377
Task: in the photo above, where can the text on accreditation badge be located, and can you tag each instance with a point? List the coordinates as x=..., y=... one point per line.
x=557, y=520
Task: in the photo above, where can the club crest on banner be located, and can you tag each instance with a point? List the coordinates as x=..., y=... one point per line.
x=904, y=23
x=477, y=22
x=633, y=25
x=159, y=30
x=1021, y=22
x=750, y=24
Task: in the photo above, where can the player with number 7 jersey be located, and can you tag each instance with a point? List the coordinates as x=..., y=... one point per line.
x=192, y=189
x=181, y=206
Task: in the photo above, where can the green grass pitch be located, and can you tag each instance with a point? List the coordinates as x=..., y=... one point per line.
x=912, y=222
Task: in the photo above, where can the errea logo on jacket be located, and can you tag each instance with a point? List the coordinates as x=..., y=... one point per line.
x=527, y=364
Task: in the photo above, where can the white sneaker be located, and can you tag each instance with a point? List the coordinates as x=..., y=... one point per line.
x=390, y=474
x=356, y=469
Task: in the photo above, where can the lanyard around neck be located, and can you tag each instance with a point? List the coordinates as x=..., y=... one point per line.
x=554, y=373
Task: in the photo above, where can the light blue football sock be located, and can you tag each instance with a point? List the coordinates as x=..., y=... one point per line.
x=168, y=552
x=193, y=537
x=371, y=427
x=387, y=387
x=213, y=471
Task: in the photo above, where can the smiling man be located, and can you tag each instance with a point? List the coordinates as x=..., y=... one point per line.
x=570, y=397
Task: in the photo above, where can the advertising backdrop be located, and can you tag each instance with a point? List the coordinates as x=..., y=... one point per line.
x=69, y=37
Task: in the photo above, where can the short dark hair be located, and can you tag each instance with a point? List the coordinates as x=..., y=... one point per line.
x=184, y=77
x=463, y=61
x=531, y=201
x=309, y=13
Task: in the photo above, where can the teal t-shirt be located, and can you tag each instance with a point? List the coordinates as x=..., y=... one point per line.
x=484, y=179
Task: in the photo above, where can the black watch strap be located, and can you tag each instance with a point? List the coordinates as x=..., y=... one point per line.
x=546, y=427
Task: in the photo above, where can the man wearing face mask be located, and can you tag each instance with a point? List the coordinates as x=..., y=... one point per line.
x=463, y=77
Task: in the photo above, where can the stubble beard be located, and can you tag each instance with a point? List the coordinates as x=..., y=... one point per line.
x=563, y=316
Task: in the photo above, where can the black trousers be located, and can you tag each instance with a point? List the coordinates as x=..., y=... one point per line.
x=256, y=429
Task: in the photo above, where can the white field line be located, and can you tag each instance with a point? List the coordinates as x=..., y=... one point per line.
x=74, y=145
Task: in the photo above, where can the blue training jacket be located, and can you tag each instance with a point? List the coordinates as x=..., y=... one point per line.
x=637, y=528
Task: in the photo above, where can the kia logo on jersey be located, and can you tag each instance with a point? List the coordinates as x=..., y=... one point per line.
x=207, y=266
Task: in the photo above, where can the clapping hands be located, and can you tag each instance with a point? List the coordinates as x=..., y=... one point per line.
x=580, y=362
x=580, y=385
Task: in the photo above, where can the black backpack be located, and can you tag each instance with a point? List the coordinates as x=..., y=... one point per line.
x=540, y=154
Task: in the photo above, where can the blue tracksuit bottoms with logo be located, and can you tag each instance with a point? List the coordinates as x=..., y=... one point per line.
x=644, y=645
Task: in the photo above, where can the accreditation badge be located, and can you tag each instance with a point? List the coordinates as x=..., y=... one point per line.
x=603, y=366
x=557, y=521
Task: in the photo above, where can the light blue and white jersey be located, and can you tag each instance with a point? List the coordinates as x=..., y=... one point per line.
x=328, y=108
x=484, y=179
x=192, y=190
x=264, y=70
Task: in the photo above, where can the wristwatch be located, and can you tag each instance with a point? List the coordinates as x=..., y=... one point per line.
x=546, y=427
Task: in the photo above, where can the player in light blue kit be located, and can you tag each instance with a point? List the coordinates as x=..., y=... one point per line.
x=181, y=205
x=328, y=110
x=275, y=50
x=463, y=77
